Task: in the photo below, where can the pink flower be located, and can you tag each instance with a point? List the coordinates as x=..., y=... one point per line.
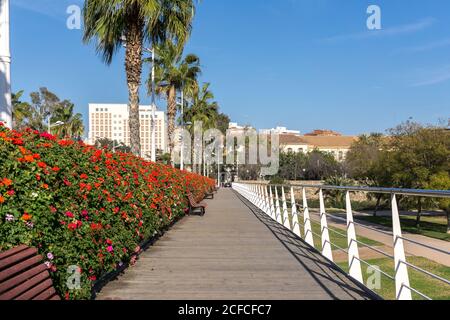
x=69, y=214
x=110, y=249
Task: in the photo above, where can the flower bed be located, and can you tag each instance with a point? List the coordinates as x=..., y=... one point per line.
x=84, y=207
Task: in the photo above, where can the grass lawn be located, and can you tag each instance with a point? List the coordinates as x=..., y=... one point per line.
x=433, y=227
x=433, y=288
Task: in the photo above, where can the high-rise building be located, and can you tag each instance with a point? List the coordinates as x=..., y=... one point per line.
x=111, y=121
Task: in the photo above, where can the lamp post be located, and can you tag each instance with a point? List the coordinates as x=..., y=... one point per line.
x=56, y=124
x=5, y=66
x=153, y=146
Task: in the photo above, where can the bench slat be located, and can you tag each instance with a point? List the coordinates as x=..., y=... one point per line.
x=13, y=251
x=14, y=259
x=11, y=271
x=17, y=280
x=30, y=294
x=26, y=287
x=46, y=295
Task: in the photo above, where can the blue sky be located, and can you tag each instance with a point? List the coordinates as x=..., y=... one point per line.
x=304, y=64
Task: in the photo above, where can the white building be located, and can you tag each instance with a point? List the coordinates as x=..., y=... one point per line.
x=111, y=121
x=279, y=130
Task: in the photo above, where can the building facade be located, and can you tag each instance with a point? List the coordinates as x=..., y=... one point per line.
x=337, y=145
x=111, y=121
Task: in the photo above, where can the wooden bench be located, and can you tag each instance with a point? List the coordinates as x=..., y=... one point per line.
x=195, y=206
x=23, y=276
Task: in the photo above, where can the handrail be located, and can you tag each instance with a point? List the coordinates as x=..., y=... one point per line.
x=398, y=191
x=276, y=208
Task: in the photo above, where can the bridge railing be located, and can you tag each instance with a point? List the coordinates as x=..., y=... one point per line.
x=275, y=204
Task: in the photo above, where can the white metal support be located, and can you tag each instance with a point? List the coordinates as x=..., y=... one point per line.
x=285, y=218
x=353, y=253
x=326, y=244
x=401, y=269
x=272, y=207
x=307, y=221
x=277, y=207
x=294, y=215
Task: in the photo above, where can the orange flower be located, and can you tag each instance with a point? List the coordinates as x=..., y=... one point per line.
x=29, y=159
x=2, y=199
x=45, y=186
x=7, y=182
x=26, y=217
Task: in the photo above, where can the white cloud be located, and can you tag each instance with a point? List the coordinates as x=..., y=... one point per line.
x=425, y=47
x=434, y=77
x=392, y=31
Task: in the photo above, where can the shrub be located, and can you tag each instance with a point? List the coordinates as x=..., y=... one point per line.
x=85, y=207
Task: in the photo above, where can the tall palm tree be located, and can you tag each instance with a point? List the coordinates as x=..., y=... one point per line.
x=137, y=22
x=203, y=109
x=174, y=73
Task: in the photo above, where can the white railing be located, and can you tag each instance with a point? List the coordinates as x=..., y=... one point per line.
x=266, y=197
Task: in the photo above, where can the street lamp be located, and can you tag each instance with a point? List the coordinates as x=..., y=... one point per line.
x=56, y=124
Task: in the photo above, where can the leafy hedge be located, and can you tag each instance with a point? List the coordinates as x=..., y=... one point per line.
x=84, y=207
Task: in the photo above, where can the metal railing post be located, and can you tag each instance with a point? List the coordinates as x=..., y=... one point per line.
x=285, y=217
x=402, y=290
x=353, y=253
x=307, y=221
x=326, y=244
x=294, y=215
x=266, y=200
x=277, y=207
x=272, y=206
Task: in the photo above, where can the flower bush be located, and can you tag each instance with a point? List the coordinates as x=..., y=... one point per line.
x=84, y=207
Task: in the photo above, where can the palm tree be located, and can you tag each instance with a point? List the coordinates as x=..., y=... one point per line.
x=205, y=110
x=22, y=111
x=174, y=73
x=72, y=126
x=137, y=22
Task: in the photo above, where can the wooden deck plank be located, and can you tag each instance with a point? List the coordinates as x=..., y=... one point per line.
x=233, y=252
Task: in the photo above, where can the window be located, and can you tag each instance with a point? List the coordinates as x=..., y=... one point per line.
x=300, y=150
x=290, y=150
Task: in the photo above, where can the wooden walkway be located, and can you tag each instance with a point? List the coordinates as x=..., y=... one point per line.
x=233, y=252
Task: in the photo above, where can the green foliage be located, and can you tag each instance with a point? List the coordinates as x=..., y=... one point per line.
x=45, y=106
x=315, y=165
x=87, y=207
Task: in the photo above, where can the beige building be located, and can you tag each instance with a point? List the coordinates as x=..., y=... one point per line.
x=335, y=144
x=111, y=121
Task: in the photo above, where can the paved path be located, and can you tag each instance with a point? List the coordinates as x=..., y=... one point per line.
x=387, y=240
x=233, y=252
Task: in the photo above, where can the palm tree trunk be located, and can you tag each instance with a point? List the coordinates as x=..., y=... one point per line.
x=171, y=114
x=133, y=68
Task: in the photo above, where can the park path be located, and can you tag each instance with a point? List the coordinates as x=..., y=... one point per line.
x=234, y=252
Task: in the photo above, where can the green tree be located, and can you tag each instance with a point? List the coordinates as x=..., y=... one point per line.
x=22, y=111
x=72, y=126
x=418, y=154
x=113, y=23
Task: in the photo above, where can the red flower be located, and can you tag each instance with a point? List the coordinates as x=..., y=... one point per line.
x=83, y=176
x=42, y=165
x=2, y=200
x=55, y=169
x=69, y=214
x=108, y=241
